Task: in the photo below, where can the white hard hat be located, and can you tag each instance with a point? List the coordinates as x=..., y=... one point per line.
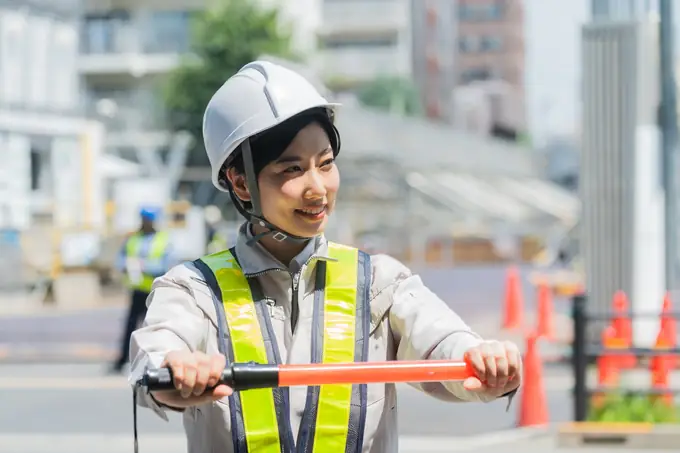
x=258, y=97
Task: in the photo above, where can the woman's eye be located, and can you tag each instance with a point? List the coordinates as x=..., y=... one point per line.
x=327, y=162
x=292, y=169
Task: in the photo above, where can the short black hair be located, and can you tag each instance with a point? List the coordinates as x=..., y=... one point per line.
x=269, y=145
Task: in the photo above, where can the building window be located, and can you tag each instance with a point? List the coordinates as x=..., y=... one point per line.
x=468, y=44
x=474, y=74
x=106, y=33
x=167, y=31
x=475, y=12
x=491, y=43
x=14, y=51
x=64, y=77
x=474, y=44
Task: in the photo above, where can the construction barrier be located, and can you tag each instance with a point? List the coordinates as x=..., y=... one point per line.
x=601, y=368
x=615, y=354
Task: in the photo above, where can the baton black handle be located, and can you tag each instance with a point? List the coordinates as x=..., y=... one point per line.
x=238, y=376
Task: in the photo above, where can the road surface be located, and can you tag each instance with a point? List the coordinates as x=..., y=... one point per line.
x=476, y=294
x=77, y=408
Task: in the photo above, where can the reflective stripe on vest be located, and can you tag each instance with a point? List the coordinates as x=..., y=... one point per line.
x=133, y=249
x=334, y=416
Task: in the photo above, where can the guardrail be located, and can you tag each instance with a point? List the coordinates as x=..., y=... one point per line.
x=616, y=354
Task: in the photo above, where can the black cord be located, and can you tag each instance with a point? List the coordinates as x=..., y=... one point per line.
x=134, y=417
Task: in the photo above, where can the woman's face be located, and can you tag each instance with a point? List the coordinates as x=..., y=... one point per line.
x=298, y=190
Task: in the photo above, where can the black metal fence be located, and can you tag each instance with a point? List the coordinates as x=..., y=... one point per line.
x=584, y=353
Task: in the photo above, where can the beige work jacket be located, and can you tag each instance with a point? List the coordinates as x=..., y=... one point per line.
x=408, y=322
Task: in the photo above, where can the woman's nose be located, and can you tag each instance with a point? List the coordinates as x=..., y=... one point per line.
x=315, y=185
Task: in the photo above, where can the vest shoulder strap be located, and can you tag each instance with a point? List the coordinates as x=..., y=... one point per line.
x=259, y=417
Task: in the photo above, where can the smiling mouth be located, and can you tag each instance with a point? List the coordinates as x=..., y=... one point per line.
x=315, y=213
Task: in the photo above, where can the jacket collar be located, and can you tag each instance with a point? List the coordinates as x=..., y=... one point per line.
x=255, y=259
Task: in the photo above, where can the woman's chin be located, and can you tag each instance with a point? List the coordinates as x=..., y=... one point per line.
x=308, y=227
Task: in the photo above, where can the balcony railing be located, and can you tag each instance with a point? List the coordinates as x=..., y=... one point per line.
x=341, y=17
x=120, y=114
x=364, y=63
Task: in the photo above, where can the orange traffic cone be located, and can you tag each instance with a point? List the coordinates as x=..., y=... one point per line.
x=660, y=366
x=514, y=301
x=607, y=365
x=621, y=321
x=670, y=327
x=668, y=322
x=533, y=407
x=623, y=327
x=545, y=312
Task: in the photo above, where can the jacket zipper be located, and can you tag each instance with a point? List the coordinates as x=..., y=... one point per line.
x=266, y=271
x=295, y=308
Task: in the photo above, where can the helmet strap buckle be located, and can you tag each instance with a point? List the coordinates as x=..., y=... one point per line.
x=279, y=237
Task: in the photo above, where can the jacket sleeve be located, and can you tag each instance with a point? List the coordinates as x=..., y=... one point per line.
x=174, y=321
x=423, y=326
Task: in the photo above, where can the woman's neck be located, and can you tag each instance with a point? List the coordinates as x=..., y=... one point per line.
x=281, y=250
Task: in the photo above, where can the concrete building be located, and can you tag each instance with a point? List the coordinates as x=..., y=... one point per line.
x=128, y=48
x=490, y=66
x=363, y=39
x=622, y=227
x=607, y=10
x=468, y=59
x=49, y=149
x=435, y=27
x=51, y=171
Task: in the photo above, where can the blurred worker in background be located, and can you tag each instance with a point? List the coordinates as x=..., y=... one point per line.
x=216, y=242
x=145, y=255
x=285, y=294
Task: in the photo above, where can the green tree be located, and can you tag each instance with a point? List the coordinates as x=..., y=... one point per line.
x=393, y=94
x=223, y=40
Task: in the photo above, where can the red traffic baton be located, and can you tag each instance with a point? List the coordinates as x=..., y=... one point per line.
x=245, y=376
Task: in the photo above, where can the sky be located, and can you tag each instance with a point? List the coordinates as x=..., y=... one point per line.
x=552, y=40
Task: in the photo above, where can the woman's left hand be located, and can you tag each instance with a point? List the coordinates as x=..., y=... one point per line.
x=497, y=366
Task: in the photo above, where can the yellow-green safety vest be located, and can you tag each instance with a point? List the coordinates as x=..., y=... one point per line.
x=334, y=416
x=133, y=249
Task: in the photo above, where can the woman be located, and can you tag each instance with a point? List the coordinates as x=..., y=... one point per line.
x=284, y=294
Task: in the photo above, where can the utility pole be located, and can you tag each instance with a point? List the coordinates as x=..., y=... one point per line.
x=669, y=128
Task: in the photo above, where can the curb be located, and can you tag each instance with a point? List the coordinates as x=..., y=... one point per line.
x=436, y=444
x=621, y=435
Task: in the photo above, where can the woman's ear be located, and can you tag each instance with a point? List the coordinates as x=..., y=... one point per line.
x=238, y=183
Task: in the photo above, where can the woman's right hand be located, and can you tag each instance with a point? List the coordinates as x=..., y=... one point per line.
x=193, y=373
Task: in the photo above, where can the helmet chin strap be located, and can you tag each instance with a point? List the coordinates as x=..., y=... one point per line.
x=256, y=216
x=277, y=233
